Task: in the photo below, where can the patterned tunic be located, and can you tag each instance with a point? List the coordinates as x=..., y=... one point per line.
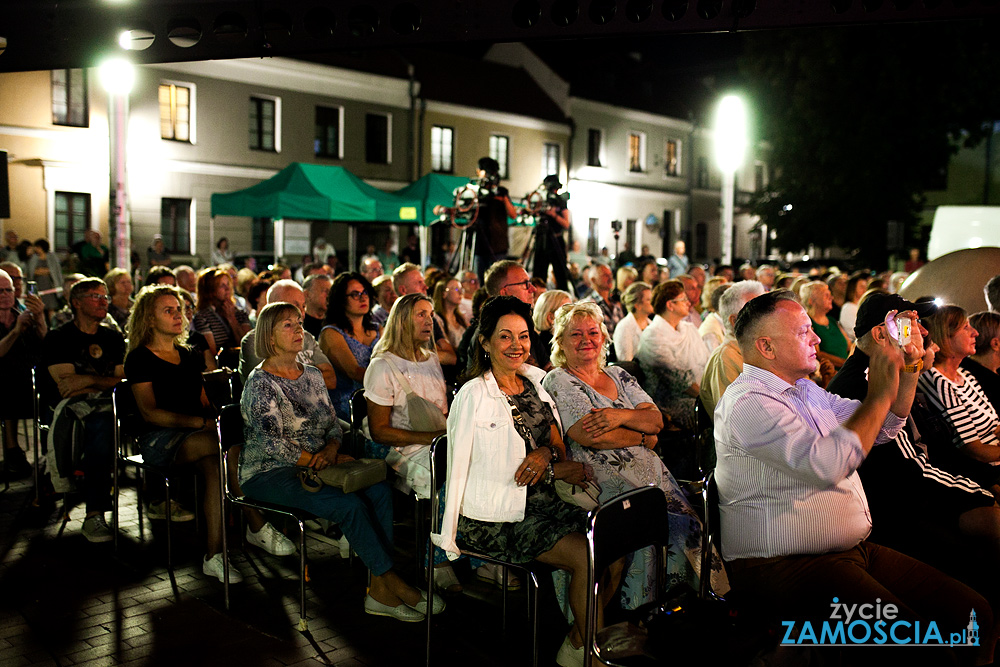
x=626, y=468
x=282, y=417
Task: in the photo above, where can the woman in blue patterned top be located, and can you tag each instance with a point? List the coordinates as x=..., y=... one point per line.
x=290, y=424
x=349, y=336
x=611, y=424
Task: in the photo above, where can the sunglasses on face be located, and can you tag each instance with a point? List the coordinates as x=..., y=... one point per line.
x=357, y=294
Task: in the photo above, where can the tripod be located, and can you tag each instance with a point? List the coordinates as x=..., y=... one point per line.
x=528, y=256
x=464, y=257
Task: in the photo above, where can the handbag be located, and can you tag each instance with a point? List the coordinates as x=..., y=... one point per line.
x=584, y=497
x=349, y=477
x=424, y=415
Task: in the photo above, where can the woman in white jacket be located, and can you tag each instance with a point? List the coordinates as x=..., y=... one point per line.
x=505, y=449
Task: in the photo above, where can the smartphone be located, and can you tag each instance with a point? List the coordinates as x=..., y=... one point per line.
x=900, y=328
x=32, y=287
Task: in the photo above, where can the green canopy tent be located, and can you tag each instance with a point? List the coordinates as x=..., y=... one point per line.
x=432, y=190
x=316, y=192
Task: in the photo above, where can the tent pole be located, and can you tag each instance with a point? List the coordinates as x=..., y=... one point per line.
x=211, y=237
x=352, y=246
x=279, y=238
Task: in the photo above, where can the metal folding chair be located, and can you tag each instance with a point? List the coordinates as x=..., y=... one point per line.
x=126, y=415
x=231, y=436
x=439, y=465
x=622, y=525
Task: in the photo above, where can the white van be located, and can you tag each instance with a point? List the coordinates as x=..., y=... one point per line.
x=962, y=227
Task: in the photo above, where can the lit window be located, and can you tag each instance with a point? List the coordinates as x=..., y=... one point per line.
x=671, y=158
x=500, y=151
x=69, y=98
x=175, y=112
x=442, y=149
x=550, y=160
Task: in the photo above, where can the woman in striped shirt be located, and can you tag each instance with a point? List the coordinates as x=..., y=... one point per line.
x=953, y=392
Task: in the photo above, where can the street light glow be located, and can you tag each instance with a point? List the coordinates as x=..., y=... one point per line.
x=117, y=76
x=730, y=133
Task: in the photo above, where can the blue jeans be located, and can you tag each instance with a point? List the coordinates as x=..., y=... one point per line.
x=98, y=455
x=365, y=517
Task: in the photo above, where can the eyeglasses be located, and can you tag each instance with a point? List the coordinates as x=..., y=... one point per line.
x=524, y=284
x=6, y=290
x=457, y=290
x=471, y=281
x=96, y=297
x=681, y=299
x=357, y=294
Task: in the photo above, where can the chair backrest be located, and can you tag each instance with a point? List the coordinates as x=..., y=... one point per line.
x=622, y=525
x=126, y=415
x=230, y=427
x=228, y=357
x=711, y=536
x=634, y=370
x=218, y=386
x=359, y=412
x=439, y=473
x=627, y=523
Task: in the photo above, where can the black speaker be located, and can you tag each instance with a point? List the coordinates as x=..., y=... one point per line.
x=4, y=187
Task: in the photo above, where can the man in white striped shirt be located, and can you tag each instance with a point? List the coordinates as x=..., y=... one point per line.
x=794, y=516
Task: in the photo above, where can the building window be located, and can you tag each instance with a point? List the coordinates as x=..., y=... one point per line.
x=69, y=98
x=378, y=128
x=442, y=149
x=175, y=224
x=500, y=151
x=263, y=124
x=550, y=160
x=636, y=151
x=327, y=142
x=175, y=112
x=702, y=180
x=594, y=141
x=263, y=235
x=759, y=181
x=592, y=237
x=672, y=159
x=72, y=219
x=630, y=235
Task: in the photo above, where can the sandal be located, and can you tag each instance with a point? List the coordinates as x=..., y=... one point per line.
x=445, y=579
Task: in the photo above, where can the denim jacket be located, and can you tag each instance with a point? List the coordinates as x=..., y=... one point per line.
x=484, y=451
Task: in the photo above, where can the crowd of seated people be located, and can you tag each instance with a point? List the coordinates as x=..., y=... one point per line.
x=538, y=399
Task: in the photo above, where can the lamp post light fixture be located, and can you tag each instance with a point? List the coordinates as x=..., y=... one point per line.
x=730, y=150
x=117, y=76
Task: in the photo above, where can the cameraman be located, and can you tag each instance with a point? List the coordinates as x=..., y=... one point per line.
x=550, y=246
x=491, y=220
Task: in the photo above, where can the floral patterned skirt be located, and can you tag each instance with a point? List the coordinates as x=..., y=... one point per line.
x=547, y=519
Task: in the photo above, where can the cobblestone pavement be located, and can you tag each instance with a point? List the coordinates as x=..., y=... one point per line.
x=65, y=601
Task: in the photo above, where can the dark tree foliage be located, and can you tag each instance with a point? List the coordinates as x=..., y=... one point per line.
x=862, y=121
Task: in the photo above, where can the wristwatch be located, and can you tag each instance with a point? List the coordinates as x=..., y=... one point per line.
x=914, y=368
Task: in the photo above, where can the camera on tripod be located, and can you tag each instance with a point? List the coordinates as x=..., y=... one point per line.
x=616, y=226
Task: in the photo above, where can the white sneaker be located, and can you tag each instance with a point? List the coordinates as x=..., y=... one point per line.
x=569, y=655
x=271, y=541
x=215, y=567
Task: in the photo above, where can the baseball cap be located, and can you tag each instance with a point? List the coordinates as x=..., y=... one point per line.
x=873, y=310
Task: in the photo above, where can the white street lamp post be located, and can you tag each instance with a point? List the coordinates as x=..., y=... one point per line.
x=117, y=76
x=730, y=149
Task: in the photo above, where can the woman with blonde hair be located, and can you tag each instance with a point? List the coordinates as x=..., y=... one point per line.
x=638, y=303
x=447, y=299
x=119, y=284
x=544, y=313
x=611, y=425
x=405, y=370
x=290, y=423
x=713, y=328
x=178, y=420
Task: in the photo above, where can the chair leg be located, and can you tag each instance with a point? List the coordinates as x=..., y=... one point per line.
x=114, y=502
x=303, y=621
x=503, y=622
x=170, y=546
x=533, y=610
x=430, y=590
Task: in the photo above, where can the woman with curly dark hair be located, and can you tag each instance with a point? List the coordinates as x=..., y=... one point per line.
x=349, y=336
